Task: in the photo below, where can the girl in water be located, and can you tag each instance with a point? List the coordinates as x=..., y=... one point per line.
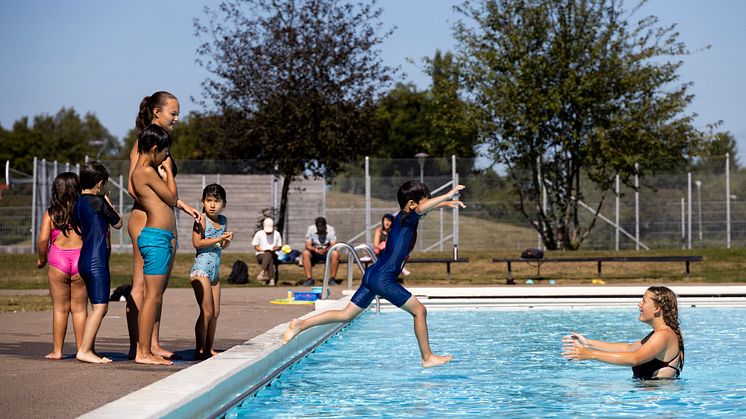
x=658, y=355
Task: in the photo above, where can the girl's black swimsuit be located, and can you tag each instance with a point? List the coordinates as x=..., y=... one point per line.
x=645, y=371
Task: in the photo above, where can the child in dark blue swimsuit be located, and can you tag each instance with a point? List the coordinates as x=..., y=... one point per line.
x=380, y=279
x=92, y=215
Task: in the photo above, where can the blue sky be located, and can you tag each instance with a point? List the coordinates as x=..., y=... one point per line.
x=104, y=56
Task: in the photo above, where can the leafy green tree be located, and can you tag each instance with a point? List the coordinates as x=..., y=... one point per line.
x=303, y=75
x=402, y=122
x=567, y=90
x=712, y=157
x=452, y=129
x=64, y=137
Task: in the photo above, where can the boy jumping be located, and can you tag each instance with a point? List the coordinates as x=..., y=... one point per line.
x=380, y=279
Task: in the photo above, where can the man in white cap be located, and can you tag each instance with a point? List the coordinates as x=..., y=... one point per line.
x=266, y=241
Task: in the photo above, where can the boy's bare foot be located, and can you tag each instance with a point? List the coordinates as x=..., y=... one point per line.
x=163, y=353
x=292, y=330
x=213, y=352
x=53, y=355
x=91, y=358
x=435, y=360
x=152, y=360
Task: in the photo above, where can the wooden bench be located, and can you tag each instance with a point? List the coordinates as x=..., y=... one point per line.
x=446, y=261
x=598, y=260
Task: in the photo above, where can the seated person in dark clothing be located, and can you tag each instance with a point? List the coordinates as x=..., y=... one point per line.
x=658, y=355
x=319, y=238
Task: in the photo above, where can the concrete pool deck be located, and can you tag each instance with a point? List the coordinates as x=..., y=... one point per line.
x=34, y=387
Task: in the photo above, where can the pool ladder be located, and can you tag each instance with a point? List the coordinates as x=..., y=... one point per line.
x=352, y=255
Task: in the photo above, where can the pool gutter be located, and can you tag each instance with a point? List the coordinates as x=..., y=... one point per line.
x=210, y=386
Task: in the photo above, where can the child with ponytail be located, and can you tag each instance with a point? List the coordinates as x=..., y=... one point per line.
x=659, y=355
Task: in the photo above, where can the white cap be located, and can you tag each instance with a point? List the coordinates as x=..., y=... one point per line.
x=269, y=225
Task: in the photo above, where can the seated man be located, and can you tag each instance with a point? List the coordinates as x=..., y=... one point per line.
x=319, y=238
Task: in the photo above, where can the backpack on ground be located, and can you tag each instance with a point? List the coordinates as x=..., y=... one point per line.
x=532, y=254
x=239, y=273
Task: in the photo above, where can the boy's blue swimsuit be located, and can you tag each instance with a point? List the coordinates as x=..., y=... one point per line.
x=207, y=261
x=380, y=278
x=156, y=249
x=93, y=215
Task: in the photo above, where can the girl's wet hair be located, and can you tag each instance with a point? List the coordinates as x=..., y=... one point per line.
x=412, y=190
x=153, y=135
x=664, y=298
x=148, y=105
x=65, y=190
x=216, y=191
x=92, y=173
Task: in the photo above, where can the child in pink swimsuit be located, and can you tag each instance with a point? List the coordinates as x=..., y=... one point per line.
x=59, y=247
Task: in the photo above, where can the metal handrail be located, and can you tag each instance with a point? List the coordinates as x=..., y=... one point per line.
x=352, y=255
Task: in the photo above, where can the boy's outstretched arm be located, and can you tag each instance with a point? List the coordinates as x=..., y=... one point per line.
x=430, y=204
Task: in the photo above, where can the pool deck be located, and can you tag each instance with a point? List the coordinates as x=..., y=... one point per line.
x=35, y=387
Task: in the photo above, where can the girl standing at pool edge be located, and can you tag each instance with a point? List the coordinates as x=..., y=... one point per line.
x=658, y=355
x=160, y=108
x=59, y=246
x=209, y=237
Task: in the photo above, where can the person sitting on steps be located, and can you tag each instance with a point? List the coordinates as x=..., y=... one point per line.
x=319, y=238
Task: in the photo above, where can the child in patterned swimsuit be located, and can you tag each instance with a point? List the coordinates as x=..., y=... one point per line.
x=209, y=237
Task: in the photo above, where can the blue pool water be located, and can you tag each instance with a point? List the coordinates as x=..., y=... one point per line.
x=508, y=363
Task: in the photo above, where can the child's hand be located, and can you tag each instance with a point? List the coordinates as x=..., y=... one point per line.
x=162, y=172
x=453, y=203
x=457, y=188
x=227, y=236
x=40, y=263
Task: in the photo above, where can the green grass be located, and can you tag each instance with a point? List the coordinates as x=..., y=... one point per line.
x=719, y=265
x=18, y=303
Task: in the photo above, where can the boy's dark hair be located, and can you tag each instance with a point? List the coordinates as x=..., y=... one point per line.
x=413, y=190
x=153, y=135
x=215, y=191
x=92, y=173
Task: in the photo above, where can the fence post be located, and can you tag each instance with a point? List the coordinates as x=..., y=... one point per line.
x=367, y=204
x=689, y=209
x=616, y=210
x=454, y=175
x=727, y=200
x=683, y=226
x=33, y=207
x=637, y=209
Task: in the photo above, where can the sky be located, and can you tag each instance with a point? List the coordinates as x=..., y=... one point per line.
x=105, y=56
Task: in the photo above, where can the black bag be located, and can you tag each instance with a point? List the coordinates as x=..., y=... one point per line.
x=239, y=273
x=532, y=254
x=121, y=291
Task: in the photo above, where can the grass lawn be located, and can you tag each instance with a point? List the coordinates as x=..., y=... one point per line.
x=719, y=266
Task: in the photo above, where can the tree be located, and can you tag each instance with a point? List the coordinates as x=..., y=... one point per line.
x=712, y=158
x=570, y=91
x=453, y=131
x=303, y=75
x=64, y=137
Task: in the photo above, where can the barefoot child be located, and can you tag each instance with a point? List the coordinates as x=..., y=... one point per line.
x=59, y=246
x=380, y=279
x=156, y=242
x=209, y=237
x=93, y=214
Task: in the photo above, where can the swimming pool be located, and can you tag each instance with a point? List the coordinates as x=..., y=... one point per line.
x=508, y=363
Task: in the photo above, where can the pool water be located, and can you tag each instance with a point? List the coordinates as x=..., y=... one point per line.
x=508, y=363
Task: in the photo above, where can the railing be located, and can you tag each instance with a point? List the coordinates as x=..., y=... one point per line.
x=352, y=256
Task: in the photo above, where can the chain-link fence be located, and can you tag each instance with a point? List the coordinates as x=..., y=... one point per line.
x=688, y=210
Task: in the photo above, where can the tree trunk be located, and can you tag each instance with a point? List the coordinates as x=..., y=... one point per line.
x=283, y=203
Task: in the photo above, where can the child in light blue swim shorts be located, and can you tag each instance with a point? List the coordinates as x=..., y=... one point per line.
x=209, y=237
